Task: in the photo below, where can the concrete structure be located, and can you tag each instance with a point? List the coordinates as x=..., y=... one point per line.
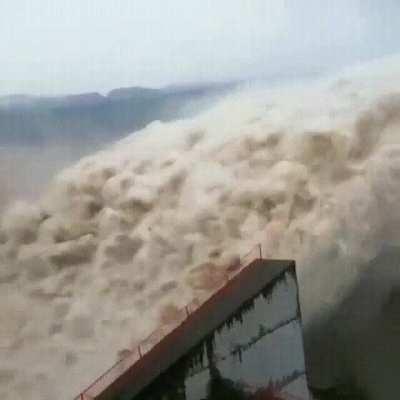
x=244, y=342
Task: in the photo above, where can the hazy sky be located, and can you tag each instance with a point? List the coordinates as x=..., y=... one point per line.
x=59, y=46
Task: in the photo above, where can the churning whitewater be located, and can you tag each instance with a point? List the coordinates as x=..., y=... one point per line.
x=127, y=236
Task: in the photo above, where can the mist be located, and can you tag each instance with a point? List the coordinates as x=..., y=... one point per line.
x=310, y=172
x=42, y=135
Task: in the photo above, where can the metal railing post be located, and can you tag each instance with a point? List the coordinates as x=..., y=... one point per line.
x=260, y=249
x=140, y=351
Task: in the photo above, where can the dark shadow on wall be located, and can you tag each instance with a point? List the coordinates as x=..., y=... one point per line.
x=353, y=352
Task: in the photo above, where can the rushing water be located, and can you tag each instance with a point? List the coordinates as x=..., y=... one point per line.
x=125, y=237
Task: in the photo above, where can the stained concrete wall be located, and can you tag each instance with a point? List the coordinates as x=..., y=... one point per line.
x=246, y=344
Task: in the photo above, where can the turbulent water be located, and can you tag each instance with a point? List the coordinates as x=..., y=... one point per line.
x=125, y=237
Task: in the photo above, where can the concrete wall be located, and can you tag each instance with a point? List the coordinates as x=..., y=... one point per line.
x=246, y=343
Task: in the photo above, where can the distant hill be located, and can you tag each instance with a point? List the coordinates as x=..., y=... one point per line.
x=34, y=119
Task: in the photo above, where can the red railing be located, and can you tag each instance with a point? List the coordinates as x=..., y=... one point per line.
x=161, y=332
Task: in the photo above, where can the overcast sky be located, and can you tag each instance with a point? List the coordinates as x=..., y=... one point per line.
x=69, y=46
